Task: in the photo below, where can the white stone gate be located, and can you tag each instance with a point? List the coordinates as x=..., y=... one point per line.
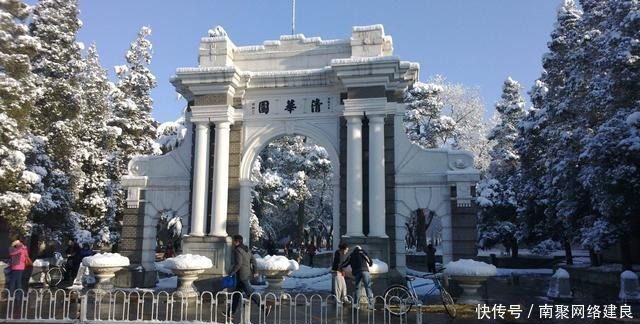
x=343, y=94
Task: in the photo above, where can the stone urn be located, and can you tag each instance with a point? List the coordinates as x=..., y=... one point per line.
x=274, y=279
x=187, y=267
x=469, y=275
x=186, y=277
x=104, y=274
x=275, y=268
x=104, y=266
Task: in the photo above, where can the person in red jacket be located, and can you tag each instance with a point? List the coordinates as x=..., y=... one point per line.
x=18, y=253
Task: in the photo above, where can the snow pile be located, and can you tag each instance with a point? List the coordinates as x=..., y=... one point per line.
x=40, y=263
x=378, y=267
x=188, y=261
x=561, y=273
x=276, y=262
x=106, y=260
x=468, y=267
x=305, y=272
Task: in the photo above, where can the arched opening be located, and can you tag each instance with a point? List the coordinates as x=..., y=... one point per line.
x=423, y=227
x=292, y=198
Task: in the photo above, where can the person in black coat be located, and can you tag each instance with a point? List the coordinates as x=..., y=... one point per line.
x=339, y=284
x=244, y=267
x=360, y=262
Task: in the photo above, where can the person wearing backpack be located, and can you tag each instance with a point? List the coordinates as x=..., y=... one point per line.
x=19, y=256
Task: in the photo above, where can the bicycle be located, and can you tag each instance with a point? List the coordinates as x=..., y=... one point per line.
x=56, y=274
x=400, y=298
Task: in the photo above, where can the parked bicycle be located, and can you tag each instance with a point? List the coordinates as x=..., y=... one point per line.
x=400, y=298
x=57, y=271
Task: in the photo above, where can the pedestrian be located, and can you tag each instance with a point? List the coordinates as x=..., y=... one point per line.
x=19, y=255
x=169, y=251
x=430, y=253
x=86, y=251
x=73, y=257
x=360, y=262
x=339, y=284
x=243, y=268
x=311, y=251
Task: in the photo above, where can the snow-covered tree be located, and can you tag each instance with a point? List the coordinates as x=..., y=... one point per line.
x=609, y=153
x=17, y=96
x=465, y=106
x=57, y=64
x=132, y=103
x=423, y=121
x=97, y=179
x=497, y=218
x=549, y=134
x=293, y=188
x=170, y=134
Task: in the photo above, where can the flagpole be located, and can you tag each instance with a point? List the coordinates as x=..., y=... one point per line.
x=293, y=20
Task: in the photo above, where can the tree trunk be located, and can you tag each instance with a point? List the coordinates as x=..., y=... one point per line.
x=514, y=249
x=567, y=252
x=625, y=250
x=421, y=230
x=301, y=222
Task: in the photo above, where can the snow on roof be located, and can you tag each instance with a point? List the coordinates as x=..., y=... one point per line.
x=355, y=60
x=188, y=261
x=468, y=267
x=368, y=28
x=106, y=260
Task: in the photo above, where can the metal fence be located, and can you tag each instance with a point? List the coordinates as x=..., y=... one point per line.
x=96, y=306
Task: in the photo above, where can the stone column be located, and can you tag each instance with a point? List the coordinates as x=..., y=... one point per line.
x=221, y=180
x=376, y=177
x=354, y=176
x=245, y=209
x=200, y=176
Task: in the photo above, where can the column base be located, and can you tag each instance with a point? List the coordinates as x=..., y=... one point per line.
x=215, y=248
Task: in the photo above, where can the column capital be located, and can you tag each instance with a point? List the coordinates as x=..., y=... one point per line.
x=215, y=114
x=376, y=119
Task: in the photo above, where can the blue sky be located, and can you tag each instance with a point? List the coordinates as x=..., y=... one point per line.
x=474, y=42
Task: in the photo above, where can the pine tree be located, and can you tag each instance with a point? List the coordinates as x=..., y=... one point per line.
x=292, y=178
x=132, y=103
x=609, y=154
x=551, y=204
x=497, y=217
x=17, y=96
x=423, y=120
x=96, y=202
x=57, y=64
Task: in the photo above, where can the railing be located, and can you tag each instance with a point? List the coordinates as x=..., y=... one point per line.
x=96, y=306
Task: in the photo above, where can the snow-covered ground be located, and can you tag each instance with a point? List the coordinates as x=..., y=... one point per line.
x=527, y=252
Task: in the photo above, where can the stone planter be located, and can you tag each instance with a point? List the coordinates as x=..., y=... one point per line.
x=469, y=285
x=104, y=276
x=186, y=277
x=274, y=278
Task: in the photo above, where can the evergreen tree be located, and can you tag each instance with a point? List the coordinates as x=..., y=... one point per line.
x=551, y=203
x=498, y=218
x=96, y=202
x=57, y=64
x=423, y=120
x=17, y=96
x=293, y=189
x=132, y=102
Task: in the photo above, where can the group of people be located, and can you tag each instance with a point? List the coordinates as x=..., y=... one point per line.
x=20, y=261
x=244, y=268
x=359, y=261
